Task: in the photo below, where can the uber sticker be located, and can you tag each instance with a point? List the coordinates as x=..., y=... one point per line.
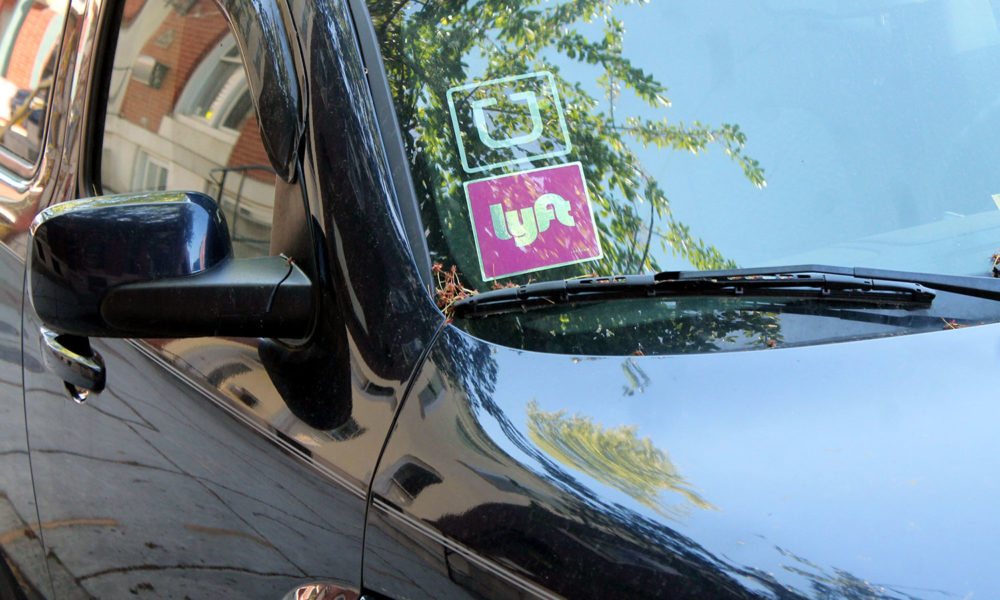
x=532, y=220
x=502, y=122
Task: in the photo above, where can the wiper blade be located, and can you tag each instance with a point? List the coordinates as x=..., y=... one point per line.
x=868, y=286
x=980, y=287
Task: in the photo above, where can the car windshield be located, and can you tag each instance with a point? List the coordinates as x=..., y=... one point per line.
x=555, y=139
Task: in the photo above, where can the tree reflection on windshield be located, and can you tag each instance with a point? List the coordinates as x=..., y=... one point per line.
x=430, y=48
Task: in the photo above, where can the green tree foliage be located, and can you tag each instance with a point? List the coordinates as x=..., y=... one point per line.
x=615, y=456
x=427, y=49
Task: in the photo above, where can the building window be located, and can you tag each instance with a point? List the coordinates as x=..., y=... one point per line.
x=217, y=92
x=150, y=173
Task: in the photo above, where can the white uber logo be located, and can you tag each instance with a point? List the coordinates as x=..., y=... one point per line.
x=508, y=121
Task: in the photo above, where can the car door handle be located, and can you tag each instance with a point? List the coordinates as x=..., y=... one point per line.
x=72, y=358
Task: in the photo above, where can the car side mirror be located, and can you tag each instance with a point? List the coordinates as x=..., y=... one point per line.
x=158, y=265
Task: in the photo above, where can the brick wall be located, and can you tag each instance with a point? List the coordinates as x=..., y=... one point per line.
x=29, y=38
x=194, y=36
x=249, y=150
x=131, y=11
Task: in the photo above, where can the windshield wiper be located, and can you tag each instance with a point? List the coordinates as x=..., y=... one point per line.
x=878, y=287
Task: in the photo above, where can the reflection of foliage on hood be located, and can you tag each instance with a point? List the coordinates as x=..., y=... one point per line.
x=614, y=456
x=425, y=45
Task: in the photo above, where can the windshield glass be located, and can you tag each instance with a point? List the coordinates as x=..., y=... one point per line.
x=557, y=139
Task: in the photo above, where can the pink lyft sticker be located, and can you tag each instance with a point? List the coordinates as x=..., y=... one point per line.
x=532, y=220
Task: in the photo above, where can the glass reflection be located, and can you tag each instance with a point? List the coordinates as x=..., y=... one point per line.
x=585, y=504
x=488, y=89
x=615, y=456
x=31, y=31
x=180, y=116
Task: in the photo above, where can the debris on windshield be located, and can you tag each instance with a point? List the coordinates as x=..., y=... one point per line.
x=953, y=324
x=996, y=262
x=449, y=288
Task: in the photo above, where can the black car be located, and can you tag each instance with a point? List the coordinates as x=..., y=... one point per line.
x=487, y=299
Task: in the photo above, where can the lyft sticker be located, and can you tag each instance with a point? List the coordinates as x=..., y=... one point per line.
x=532, y=220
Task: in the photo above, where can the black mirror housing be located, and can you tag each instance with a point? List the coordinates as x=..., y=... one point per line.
x=157, y=265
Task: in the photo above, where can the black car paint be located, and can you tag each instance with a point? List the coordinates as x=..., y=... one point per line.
x=834, y=471
x=185, y=485
x=21, y=543
x=259, y=24
x=185, y=478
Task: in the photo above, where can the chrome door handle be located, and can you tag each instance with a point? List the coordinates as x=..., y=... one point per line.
x=72, y=358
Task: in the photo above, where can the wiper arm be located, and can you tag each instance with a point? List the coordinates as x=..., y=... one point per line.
x=869, y=286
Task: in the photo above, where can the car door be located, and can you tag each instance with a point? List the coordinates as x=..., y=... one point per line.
x=228, y=466
x=29, y=53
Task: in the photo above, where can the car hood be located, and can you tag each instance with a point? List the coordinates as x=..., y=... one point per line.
x=860, y=469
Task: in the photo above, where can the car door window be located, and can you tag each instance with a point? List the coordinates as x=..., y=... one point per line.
x=180, y=116
x=31, y=32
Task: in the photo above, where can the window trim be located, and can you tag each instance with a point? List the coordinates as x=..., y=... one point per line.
x=101, y=71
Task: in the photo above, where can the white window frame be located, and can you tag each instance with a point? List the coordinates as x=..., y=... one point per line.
x=205, y=75
x=145, y=163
